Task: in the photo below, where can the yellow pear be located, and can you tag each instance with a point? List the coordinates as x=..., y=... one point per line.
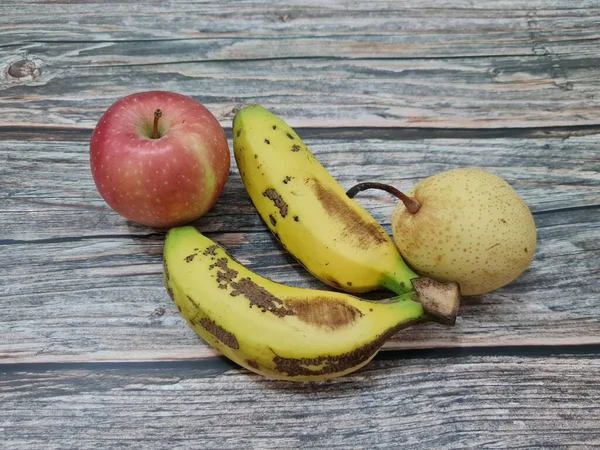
x=464, y=225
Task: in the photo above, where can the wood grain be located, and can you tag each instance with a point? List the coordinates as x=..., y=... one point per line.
x=500, y=64
x=83, y=284
x=39, y=20
x=102, y=299
x=549, y=173
x=94, y=354
x=464, y=402
x=472, y=93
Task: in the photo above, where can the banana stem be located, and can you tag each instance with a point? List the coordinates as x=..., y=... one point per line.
x=392, y=283
x=439, y=300
x=412, y=205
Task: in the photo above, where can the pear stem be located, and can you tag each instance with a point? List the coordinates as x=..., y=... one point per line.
x=412, y=204
x=157, y=115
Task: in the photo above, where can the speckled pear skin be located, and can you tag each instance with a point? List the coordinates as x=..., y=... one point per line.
x=472, y=228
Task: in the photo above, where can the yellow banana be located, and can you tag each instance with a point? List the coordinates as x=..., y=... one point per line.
x=309, y=212
x=280, y=331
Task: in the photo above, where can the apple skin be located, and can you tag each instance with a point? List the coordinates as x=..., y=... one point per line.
x=162, y=182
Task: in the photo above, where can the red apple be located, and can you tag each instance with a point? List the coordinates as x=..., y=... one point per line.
x=159, y=159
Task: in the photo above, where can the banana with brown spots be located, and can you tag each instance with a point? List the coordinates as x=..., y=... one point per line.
x=331, y=235
x=280, y=331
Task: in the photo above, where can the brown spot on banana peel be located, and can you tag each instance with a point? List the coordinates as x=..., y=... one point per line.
x=251, y=362
x=368, y=234
x=259, y=297
x=255, y=294
x=440, y=301
x=324, y=312
x=333, y=282
x=210, y=250
x=226, y=275
x=272, y=219
x=279, y=203
x=295, y=148
x=329, y=364
x=220, y=333
x=190, y=258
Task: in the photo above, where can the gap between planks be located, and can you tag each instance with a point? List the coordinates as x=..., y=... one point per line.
x=392, y=349
x=26, y=131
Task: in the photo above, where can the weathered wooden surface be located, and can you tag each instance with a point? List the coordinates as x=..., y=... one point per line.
x=386, y=90
x=95, y=272
x=510, y=92
x=353, y=29
x=464, y=402
x=559, y=173
x=341, y=63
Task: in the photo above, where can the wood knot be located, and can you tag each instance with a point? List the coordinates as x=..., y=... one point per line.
x=23, y=68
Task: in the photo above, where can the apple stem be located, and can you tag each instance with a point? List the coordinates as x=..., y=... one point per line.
x=157, y=115
x=412, y=204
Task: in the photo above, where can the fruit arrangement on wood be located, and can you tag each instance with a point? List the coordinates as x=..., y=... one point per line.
x=161, y=159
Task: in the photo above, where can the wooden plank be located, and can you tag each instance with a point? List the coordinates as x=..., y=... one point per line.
x=488, y=92
x=549, y=173
x=418, y=403
x=501, y=64
x=101, y=298
x=486, y=20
